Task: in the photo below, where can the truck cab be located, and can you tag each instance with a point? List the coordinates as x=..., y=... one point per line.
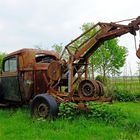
x=21, y=77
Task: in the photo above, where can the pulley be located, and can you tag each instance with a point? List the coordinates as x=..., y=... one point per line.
x=101, y=88
x=89, y=88
x=54, y=70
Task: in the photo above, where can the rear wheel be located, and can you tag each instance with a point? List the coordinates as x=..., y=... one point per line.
x=44, y=106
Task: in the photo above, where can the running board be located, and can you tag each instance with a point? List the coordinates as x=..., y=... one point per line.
x=4, y=104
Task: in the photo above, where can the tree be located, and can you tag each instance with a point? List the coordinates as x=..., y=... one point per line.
x=109, y=58
x=2, y=55
x=59, y=49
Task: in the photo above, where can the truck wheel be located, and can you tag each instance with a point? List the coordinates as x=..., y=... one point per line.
x=44, y=106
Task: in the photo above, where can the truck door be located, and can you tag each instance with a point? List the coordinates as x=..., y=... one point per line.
x=10, y=79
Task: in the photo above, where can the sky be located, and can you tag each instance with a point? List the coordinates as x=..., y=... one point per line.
x=30, y=23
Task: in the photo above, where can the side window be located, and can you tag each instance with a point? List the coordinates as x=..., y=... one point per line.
x=6, y=65
x=10, y=65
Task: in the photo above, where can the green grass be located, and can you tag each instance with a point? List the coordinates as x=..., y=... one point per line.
x=130, y=84
x=17, y=124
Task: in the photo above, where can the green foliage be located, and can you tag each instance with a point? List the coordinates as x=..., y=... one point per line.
x=17, y=124
x=123, y=89
x=106, y=112
x=109, y=57
x=124, y=95
x=58, y=48
x=2, y=55
x=67, y=110
x=97, y=111
x=102, y=79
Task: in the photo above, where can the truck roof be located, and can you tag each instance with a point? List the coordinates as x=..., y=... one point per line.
x=35, y=51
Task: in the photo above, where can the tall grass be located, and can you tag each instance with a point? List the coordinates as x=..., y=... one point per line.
x=17, y=124
x=123, y=89
x=131, y=84
x=20, y=126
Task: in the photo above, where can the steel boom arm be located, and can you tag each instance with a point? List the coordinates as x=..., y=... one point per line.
x=107, y=31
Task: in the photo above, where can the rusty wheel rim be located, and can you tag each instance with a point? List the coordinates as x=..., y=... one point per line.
x=101, y=89
x=42, y=110
x=87, y=90
x=96, y=87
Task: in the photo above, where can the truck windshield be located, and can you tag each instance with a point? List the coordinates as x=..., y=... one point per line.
x=43, y=58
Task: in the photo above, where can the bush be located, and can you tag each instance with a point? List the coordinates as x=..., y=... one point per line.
x=105, y=112
x=102, y=79
x=98, y=111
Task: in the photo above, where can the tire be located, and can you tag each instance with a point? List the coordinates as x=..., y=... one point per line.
x=101, y=88
x=44, y=106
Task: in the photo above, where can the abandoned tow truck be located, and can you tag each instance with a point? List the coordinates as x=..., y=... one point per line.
x=44, y=79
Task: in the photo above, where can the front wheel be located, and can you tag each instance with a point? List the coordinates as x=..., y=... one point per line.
x=44, y=106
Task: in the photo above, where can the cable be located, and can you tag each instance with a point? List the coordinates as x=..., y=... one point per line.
x=125, y=20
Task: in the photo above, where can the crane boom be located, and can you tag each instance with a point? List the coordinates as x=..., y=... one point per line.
x=105, y=31
x=80, y=53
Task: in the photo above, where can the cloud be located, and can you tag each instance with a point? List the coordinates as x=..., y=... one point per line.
x=25, y=23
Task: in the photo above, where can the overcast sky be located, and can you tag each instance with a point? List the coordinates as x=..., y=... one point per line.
x=26, y=23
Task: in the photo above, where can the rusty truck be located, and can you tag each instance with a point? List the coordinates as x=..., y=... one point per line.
x=43, y=79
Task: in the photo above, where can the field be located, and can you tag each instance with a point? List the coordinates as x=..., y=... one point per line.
x=131, y=84
x=17, y=123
